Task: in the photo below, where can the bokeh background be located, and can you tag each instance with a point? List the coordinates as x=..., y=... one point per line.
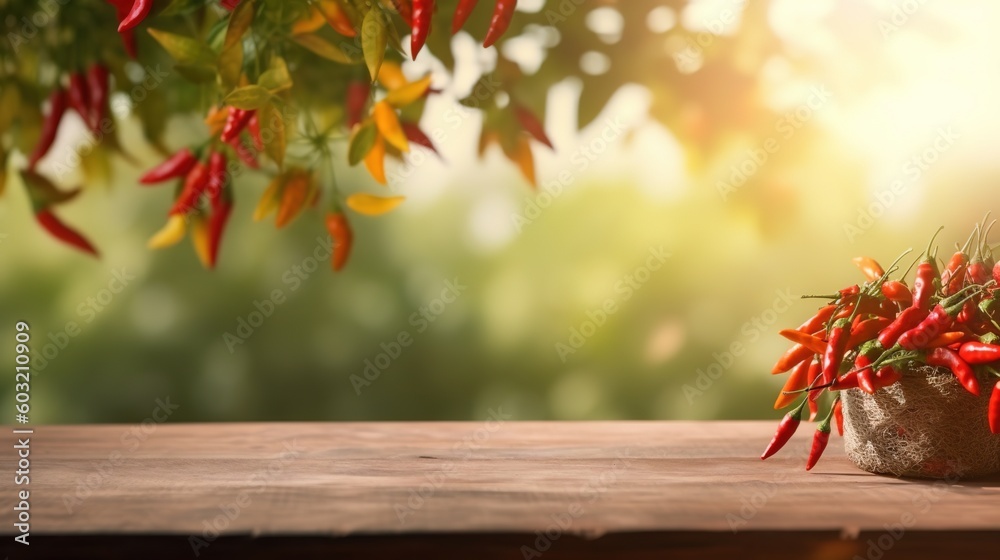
x=880, y=120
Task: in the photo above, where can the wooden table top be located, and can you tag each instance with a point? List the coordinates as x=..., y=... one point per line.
x=590, y=478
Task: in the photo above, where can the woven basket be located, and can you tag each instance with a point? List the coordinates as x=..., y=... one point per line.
x=926, y=426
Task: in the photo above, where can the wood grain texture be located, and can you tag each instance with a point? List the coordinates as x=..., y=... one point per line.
x=583, y=479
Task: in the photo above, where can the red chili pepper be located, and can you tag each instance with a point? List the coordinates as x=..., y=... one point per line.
x=947, y=357
x=865, y=331
x=357, y=97
x=946, y=339
x=864, y=373
x=909, y=318
x=343, y=238
x=462, y=11
x=820, y=439
x=994, y=413
x=937, y=321
x=887, y=375
x=835, y=347
x=97, y=82
x=898, y=292
x=786, y=428
x=140, y=9
x=838, y=415
x=530, y=123
x=996, y=272
x=230, y=4
x=216, y=178
x=236, y=121
x=79, y=97
x=795, y=355
x=847, y=381
x=979, y=353
x=503, y=12
x=64, y=233
x=799, y=379
x=244, y=152
x=222, y=206
x=869, y=267
x=122, y=9
x=254, y=127
x=403, y=7
x=423, y=10
x=814, y=343
x=50, y=126
x=178, y=165
x=977, y=272
x=927, y=274
x=194, y=185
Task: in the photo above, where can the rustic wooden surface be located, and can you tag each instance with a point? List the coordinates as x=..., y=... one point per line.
x=593, y=478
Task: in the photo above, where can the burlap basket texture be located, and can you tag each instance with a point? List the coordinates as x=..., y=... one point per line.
x=926, y=425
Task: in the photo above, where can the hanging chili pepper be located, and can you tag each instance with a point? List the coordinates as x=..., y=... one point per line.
x=254, y=127
x=786, y=428
x=343, y=238
x=946, y=357
x=503, y=12
x=355, y=101
x=64, y=233
x=178, y=165
x=462, y=11
x=862, y=364
x=97, y=82
x=835, y=347
x=170, y=234
x=907, y=319
x=216, y=178
x=244, y=152
x=58, y=100
x=194, y=185
x=898, y=292
x=236, y=121
x=78, y=97
x=838, y=415
x=820, y=439
x=979, y=353
x=296, y=193
x=422, y=12
x=140, y=9
x=869, y=267
x=222, y=206
x=403, y=8
x=994, y=412
x=847, y=381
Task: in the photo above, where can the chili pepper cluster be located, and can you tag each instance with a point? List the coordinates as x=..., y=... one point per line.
x=869, y=335
x=245, y=64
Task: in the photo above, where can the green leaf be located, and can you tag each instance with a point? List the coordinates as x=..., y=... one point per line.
x=196, y=73
x=323, y=48
x=181, y=7
x=248, y=97
x=272, y=131
x=184, y=50
x=373, y=39
x=277, y=78
x=231, y=59
x=362, y=143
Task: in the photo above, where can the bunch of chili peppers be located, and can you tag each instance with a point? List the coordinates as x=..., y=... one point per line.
x=868, y=336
